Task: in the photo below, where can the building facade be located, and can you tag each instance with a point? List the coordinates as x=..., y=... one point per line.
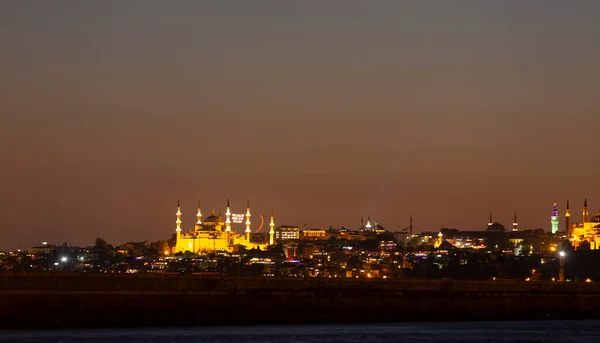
x=313, y=233
x=285, y=233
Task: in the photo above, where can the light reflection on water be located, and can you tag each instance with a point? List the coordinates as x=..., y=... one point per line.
x=532, y=331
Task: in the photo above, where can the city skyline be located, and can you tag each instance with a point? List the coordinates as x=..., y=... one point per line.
x=329, y=111
x=189, y=218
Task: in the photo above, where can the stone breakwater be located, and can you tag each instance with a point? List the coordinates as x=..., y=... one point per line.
x=55, y=300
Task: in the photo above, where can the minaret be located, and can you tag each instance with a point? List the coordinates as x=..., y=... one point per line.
x=178, y=221
x=515, y=223
x=410, y=227
x=368, y=226
x=248, y=231
x=272, y=228
x=585, y=211
x=362, y=222
x=568, y=220
x=554, y=218
x=199, y=215
x=227, y=224
x=491, y=222
x=228, y=218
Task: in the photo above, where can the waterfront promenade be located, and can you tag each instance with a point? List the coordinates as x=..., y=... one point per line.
x=184, y=283
x=46, y=300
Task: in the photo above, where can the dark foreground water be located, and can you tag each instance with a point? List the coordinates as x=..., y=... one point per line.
x=536, y=331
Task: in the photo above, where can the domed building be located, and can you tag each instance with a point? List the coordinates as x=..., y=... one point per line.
x=596, y=218
x=211, y=223
x=215, y=234
x=496, y=227
x=586, y=231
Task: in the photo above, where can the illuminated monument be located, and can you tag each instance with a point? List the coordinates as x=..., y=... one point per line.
x=272, y=229
x=588, y=231
x=554, y=218
x=213, y=233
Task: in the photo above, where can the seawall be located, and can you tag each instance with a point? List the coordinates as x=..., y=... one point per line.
x=54, y=300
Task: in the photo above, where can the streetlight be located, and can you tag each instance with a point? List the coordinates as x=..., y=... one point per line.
x=561, y=270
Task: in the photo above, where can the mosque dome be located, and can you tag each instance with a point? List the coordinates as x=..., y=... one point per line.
x=496, y=227
x=212, y=220
x=596, y=217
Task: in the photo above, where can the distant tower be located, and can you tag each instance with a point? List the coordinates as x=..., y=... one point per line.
x=585, y=211
x=199, y=215
x=178, y=229
x=568, y=220
x=368, y=226
x=227, y=223
x=362, y=222
x=410, y=227
x=554, y=218
x=515, y=223
x=228, y=218
x=248, y=231
x=491, y=221
x=272, y=228
x=178, y=221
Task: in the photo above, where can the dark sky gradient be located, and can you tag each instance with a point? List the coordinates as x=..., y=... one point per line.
x=446, y=110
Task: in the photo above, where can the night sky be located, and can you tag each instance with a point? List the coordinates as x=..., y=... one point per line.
x=444, y=110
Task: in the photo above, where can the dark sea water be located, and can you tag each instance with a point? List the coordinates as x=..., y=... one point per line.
x=535, y=331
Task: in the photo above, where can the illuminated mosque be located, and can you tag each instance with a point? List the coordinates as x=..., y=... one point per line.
x=586, y=231
x=215, y=234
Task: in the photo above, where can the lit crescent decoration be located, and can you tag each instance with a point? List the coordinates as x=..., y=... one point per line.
x=262, y=221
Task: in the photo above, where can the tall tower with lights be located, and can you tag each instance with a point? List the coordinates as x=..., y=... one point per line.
x=515, y=223
x=228, y=224
x=178, y=222
x=491, y=222
x=272, y=228
x=199, y=215
x=568, y=220
x=248, y=231
x=554, y=218
x=368, y=226
x=585, y=211
x=228, y=218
